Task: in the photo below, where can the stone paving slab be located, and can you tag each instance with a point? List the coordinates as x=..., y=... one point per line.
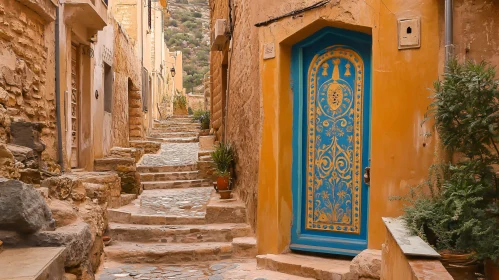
x=171, y=202
x=221, y=270
x=172, y=154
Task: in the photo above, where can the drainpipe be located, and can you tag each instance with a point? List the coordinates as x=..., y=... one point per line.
x=58, y=91
x=449, y=44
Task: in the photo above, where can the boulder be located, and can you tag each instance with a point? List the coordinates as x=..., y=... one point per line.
x=22, y=208
x=95, y=216
x=65, y=187
x=367, y=264
x=8, y=167
x=77, y=239
x=63, y=212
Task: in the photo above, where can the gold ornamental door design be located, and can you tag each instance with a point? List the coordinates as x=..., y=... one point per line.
x=334, y=151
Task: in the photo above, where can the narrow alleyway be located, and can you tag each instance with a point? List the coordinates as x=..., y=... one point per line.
x=178, y=228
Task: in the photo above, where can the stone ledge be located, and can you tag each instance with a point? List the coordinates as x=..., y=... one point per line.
x=410, y=245
x=32, y=263
x=45, y=8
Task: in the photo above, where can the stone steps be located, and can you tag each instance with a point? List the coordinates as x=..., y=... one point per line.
x=126, y=198
x=172, y=253
x=175, y=184
x=175, y=140
x=166, y=168
x=32, y=263
x=169, y=176
x=175, y=129
x=125, y=217
x=173, y=134
x=307, y=266
x=179, y=233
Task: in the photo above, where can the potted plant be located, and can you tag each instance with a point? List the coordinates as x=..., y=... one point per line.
x=203, y=117
x=456, y=209
x=223, y=159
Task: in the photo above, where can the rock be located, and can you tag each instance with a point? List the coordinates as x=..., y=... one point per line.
x=95, y=216
x=97, y=191
x=30, y=176
x=70, y=276
x=130, y=182
x=95, y=253
x=22, y=208
x=77, y=239
x=7, y=163
x=27, y=134
x=65, y=187
x=367, y=264
x=21, y=154
x=63, y=212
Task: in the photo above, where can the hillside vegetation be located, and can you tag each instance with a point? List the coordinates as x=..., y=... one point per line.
x=187, y=30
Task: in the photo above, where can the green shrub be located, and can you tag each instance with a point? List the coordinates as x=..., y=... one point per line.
x=456, y=208
x=223, y=159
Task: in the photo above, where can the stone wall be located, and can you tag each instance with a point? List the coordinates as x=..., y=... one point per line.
x=27, y=71
x=244, y=108
x=127, y=78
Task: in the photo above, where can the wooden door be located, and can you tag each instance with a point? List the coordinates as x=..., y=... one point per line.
x=331, y=136
x=75, y=107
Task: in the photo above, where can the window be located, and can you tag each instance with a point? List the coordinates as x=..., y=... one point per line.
x=108, y=88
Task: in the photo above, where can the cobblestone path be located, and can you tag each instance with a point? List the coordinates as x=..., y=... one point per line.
x=222, y=270
x=173, y=154
x=177, y=228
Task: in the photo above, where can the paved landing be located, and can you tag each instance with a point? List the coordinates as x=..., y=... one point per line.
x=221, y=270
x=173, y=154
x=189, y=202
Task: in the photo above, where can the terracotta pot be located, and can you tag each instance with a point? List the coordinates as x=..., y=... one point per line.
x=491, y=270
x=225, y=194
x=223, y=183
x=459, y=266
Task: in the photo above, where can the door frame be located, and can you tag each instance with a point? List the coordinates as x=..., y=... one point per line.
x=304, y=241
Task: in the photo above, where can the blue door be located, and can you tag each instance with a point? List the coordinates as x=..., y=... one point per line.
x=331, y=82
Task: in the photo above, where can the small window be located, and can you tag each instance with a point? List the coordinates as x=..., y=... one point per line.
x=108, y=88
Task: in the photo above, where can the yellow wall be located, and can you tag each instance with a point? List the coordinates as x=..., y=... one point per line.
x=400, y=153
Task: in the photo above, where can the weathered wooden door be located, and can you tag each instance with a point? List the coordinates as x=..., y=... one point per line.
x=75, y=107
x=331, y=73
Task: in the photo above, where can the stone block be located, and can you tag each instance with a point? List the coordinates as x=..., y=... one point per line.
x=22, y=208
x=97, y=191
x=63, y=212
x=77, y=239
x=130, y=182
x=95, y=216
x=207, y=142
x=115, y=164
x=65, y=187
x=7, y=163
x=27, y=134
x=367, y=264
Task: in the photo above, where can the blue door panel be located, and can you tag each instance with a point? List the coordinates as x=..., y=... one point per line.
x=331, y=81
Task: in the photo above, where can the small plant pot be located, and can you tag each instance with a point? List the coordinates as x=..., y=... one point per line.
x=223, y=183
x=225, y=194
x=459, y=266
x=491, y=270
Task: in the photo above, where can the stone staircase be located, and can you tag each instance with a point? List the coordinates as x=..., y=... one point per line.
x=178, y=218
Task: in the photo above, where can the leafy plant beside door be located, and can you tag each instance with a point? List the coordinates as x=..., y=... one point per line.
x=223, y=160
x=456, y=209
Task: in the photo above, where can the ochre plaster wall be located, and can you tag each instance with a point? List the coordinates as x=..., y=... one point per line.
x=476, y=28
x=400, y=153
x=27, y=71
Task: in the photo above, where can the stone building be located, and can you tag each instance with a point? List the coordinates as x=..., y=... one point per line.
x=259, y=71
x=73, y=120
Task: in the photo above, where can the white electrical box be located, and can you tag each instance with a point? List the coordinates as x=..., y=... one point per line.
x=219, y=35
x=409, y=33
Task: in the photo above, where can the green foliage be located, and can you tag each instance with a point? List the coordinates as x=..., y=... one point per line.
x=456, y=208
x=179, y=101
x=185, y=32
x=189, y=111
x=223, y=159
x=203, y=117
